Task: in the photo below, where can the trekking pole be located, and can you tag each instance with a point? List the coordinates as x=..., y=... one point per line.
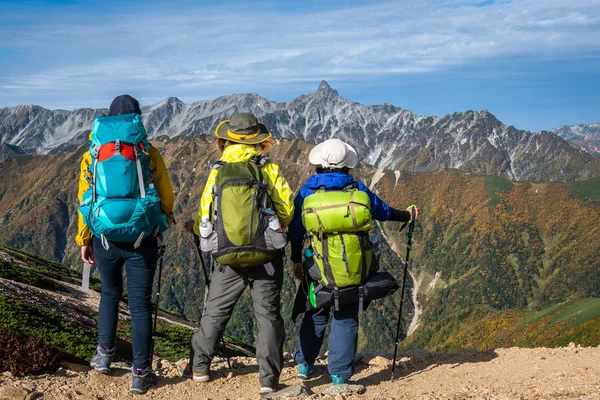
x=411, y=228
x=161, y=250
x=207, y=283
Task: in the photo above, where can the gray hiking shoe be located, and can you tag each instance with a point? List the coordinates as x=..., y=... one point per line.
x=102, y=359
x=142, y=380
x=200, y=377
x=266, y=390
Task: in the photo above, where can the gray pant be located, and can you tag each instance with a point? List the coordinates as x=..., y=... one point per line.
x=226, y=287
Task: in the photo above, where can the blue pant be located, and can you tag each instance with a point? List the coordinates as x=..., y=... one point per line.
x=343, y=338
x=139, y=264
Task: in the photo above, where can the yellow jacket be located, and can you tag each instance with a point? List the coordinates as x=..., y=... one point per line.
x=281, y=194
x=163, y=186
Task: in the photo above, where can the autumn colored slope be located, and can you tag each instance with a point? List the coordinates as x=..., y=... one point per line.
x=485, y=248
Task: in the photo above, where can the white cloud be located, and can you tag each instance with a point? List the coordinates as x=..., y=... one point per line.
x=190, y=52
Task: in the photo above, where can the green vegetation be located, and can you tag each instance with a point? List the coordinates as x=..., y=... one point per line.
x=172, y=343
x=496, y=184
x=36, y=270
x=53, y=331
x=43, y=266
x=573, y=312
x=48, y=328
x=575, y=321
x=589, y=189
x=25, y=275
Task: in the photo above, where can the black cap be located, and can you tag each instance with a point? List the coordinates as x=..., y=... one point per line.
x=124, y=104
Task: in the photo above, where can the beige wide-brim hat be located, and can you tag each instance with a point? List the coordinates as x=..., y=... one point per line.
x=333, y=153
x=243, y=128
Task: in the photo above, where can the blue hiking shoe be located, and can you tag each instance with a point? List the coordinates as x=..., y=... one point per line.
x=102, y=359
x=305, y=370
x=142, y=380
x=338, y=380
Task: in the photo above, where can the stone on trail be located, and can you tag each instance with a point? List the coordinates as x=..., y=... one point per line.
x=346, y=389
x=121, y=365
x=75, y=367
x=184, y=369
x=379, y=361
x=12, y=393
x=65, y=372
x=298, y=391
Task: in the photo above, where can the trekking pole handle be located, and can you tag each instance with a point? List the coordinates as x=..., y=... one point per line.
x=413, y=212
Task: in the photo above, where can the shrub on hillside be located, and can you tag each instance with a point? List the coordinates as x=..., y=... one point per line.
x=22, y=355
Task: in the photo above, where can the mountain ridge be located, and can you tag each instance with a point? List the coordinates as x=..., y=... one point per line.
x=385, y=136
x=582, y=136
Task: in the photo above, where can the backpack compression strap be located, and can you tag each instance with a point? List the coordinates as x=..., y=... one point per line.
x=258, y=160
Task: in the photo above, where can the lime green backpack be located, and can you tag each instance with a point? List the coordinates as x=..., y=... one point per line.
x=240, y=216
x=338, y=222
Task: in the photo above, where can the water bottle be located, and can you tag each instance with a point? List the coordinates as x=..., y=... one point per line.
x=205, y=227
x=375, y=246
x=274, y=223
x=308, y=255
x=309, y=263
x=85, y=277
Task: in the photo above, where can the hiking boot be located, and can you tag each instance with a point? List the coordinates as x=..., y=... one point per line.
x=266, y=390
x=142, y=380
x=102, y=359
x=338, y=380
x=305, y=370
x=200, y=377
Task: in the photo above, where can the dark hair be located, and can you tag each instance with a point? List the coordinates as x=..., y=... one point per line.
x=325, y=170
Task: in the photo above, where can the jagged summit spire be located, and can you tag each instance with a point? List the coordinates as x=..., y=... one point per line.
x=324, y=88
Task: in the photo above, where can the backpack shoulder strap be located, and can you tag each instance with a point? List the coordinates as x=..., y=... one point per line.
x=218, y=165
x=351, y=186
x=261, y=161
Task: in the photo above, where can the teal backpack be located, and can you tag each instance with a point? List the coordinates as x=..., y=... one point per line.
x=122, y=204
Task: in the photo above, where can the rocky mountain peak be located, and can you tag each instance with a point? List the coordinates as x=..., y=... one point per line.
x=384, y=135
x=326, y=90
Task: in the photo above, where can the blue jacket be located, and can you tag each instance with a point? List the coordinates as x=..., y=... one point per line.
x=332, y=181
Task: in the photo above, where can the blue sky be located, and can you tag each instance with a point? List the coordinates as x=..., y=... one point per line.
x=535, y=64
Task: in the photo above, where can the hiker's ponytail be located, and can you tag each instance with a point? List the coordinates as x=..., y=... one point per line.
x=266, y=145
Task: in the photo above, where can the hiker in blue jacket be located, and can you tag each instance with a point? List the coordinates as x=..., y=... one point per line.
x=333, y=160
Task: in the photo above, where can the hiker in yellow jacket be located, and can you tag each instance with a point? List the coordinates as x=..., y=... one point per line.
x=243, y=141
x=110, y=249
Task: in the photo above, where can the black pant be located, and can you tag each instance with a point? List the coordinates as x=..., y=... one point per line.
x=140, y=265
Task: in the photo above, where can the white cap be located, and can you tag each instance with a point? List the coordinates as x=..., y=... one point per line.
x=333, y=153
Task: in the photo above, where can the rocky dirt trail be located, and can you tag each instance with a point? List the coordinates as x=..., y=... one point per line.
x=515, y=373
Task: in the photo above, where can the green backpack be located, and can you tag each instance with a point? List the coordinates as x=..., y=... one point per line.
x=338, y=222
x=240, y=216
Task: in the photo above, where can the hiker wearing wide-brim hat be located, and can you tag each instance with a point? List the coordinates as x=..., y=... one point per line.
x=246, y=201
x=322, y=207
x=243, y=128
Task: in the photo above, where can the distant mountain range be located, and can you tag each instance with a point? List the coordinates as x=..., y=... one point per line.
x=385, y=135
x=586, y=137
